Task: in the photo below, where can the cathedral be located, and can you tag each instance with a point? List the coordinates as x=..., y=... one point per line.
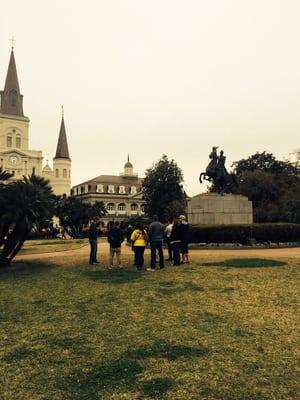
x=15, y=155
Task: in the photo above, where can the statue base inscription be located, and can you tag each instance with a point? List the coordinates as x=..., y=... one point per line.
x=216, y=209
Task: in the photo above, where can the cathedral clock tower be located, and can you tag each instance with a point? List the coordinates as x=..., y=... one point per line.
x=15, y=155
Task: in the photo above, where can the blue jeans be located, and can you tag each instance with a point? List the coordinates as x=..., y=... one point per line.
x=94, y=248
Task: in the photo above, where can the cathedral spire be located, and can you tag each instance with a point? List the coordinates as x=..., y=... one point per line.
x=11, y=98
x=62, y=150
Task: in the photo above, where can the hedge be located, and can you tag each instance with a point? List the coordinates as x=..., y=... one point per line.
x=244, y=234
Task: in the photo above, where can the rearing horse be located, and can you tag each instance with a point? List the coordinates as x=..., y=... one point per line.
x=212, y=168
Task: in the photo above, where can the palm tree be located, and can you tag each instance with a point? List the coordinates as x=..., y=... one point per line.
x=4, y=176
x=26, y=204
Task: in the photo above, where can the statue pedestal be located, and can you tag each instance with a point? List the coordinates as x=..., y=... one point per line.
x=214, y=209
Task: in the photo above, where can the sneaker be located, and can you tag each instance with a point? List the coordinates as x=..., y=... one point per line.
x=150, y=269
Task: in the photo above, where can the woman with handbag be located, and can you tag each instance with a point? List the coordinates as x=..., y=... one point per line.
x=139, y=239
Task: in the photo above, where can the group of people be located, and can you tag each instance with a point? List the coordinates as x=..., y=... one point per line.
x=175, y=234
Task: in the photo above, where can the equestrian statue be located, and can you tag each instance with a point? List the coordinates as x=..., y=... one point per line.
x=216, y=172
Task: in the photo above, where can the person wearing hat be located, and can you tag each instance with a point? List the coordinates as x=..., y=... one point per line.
x=184, y=230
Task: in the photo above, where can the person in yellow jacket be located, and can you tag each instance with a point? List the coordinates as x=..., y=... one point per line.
x=139, y=238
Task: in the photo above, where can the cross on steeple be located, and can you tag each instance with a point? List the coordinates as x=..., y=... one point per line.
x=12, y=39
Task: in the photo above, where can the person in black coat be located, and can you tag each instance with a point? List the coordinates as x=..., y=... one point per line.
x=115, y=239
x=175, y=241
x=94, y=231
x=184, y=227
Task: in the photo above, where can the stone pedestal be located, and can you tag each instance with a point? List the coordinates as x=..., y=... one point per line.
x=214, y=209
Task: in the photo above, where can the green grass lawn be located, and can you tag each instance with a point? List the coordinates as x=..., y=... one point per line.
x=50, y=245
x=224, y=330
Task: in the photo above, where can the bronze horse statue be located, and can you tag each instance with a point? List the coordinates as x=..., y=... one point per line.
x=217, y=173
x=211, y=170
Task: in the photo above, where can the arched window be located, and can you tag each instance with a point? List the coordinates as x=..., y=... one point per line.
x=122, y=190
x=57, y=173
x=134, y=207
x=122, y=207
x=133, y=190
x=18, y=141
x=64, y=173
x=13, y=98
x=9, y=141
x=111, y=207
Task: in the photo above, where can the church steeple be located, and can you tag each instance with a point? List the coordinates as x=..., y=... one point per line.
x=62, y=150
x=11, y=98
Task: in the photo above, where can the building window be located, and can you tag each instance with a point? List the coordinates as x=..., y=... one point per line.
x=9, y=141
x=111, y=189
x=122, y=190
x=33, y=170
x=133, y=190
x=99, y=188
x=111, y=207
x=56, y=173
x=121, y=207
x=18, y=142
x=143, y=207
x=86, y=188
x=13, y=98
x=64, y=173
x=134, y=207
x=13, y=172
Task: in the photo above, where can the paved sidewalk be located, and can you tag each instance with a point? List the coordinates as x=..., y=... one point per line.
x=293, y=253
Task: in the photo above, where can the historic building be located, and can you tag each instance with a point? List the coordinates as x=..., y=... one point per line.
x=121, y=194
x=15, y=154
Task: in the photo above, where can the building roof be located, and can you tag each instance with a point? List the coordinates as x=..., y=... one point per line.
x=62, y=150
x=47, y=168
x=128, y=163
x=11, y=98
x=114, y=179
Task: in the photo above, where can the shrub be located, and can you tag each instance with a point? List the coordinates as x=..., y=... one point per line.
x=276, y=232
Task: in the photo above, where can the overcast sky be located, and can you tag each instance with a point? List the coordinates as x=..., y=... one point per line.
x=148, y=77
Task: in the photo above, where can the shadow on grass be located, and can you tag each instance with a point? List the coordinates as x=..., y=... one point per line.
x=122, y=375
x=156, y=388
x=117, y=276
x=18, y=354
x=25, y=268
x=246, y=263
x=170, y=287
x=167, y=351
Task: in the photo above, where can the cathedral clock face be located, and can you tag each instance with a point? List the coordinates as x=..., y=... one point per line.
x=13, y=160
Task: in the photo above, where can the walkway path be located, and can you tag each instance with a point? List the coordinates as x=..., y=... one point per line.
x=293, y=253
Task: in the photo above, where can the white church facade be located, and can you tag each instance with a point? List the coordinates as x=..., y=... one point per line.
x=15, y=153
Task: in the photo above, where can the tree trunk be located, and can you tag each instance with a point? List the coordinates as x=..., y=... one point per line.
x=14, y=242
x=4, y=228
